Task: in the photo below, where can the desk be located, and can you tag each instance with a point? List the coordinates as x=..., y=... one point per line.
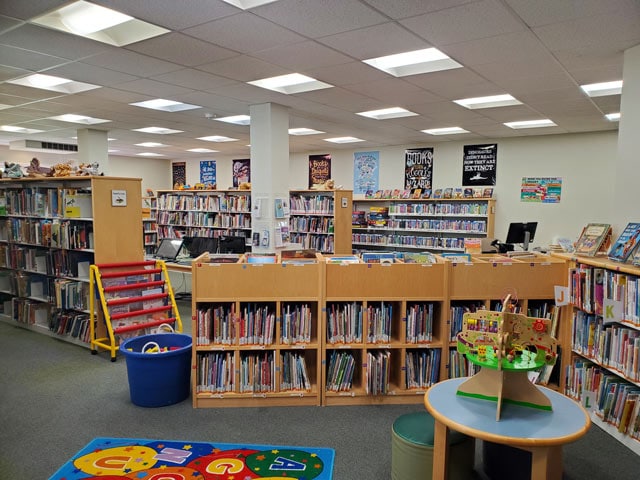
x=540, y=432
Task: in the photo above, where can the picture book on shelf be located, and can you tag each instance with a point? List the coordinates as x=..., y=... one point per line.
x=437, y=193
x=487, y=192
x=626, y=243
x=426, y=193
x=592, y=238
x=457, y=257
x=447, y=192
x=261, y=258
x=378, y=257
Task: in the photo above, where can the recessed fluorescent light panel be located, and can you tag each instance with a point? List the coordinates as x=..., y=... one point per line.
x=99, y=23
x=343, y=140
x=304, y=131
x=73, y=118
x=52, y=83
x=488, y=102
x=15, y=129
x=247, y=4
x=531, y=124
x=218, y=138
x=157, y=130
x=150, y=154
x=291, y=83
x=202, y=150
x=236, y=119
x=165, y=105
x=413, y=63
x=385, y=113
x=151, y=145
x=603, y=89
x=613, y=117
x=445, y=131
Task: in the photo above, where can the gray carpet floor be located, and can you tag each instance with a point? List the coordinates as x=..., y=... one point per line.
x=55, y=397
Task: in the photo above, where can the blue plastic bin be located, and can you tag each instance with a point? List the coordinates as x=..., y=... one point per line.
x=158, y=379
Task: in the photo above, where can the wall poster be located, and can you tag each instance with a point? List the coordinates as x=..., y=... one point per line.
x=208, y=173
x=319, y=169
x=418, y=168
x=479, y=164
x=366, y=168
x=241, y=171
x=541, y=189
x=178, y=174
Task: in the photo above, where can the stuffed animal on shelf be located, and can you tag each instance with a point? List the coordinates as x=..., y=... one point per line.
x=244, y=186
x=61, y=170
x=35, y=170
x=12, y=170
x=329, y=184
x=88, y=169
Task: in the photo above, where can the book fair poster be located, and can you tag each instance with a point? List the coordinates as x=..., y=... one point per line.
x=178, y=173
x=241, y=171
x=418, y=168
x=541, y=189
x=479, y=164
x=366, y=169
x=319, y=169
x=208, y=172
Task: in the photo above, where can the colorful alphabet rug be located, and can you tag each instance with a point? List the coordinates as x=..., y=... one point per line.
x=140, y=459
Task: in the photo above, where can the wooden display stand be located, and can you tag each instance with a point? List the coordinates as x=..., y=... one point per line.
x=506, y=346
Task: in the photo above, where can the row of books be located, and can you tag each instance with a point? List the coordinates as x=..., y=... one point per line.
x=419, y=323
x=425, y=209
x=413, y=241
x=314, y=204
x=256, y=325
x=610, y=398
x=427, y=225
x=311, y=224
x=613, y=346
x=69, y=234
x=30, y=312
x=340, y=371
x=344, y=322
x=215, y=372
x=596, y=238
x=205, y=202
x=456, y=316
x=437, y=193
x=205, y=219
x=459, y=366
x=422, y=368
x=72, y=324
x=47, y=202
x=320, y=242
x=257, y=372
x=215, y=325
x=379, y=323
x=377, y=372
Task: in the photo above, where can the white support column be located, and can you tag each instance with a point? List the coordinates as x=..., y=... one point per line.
x=269, y=172
x=626, y=194
x=93, y=148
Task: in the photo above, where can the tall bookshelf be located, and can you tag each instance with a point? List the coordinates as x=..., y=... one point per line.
x=203, y=213
x=257, y=333
x=52, y=229
x=150, y=224
x=604, y=368
x=321, y=219
x=436, y=225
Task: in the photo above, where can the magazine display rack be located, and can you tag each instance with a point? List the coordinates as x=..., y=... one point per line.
x=135, y=297
x=51, y=231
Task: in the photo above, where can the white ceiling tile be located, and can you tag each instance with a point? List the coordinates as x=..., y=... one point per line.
x=7, y=73
x=543, y=13
x=347, y=74
x=6, y=23
x=28, y=60
x=365, y=43
x=312, y=18
x=193, y=79
x=243, y=68
x=470, y=21
x=398, y=9
x=25, y=10
x=152, y=88
x=452, y=84
x=132, y=63
x=182, y=50
x=303, y=56
x=231, y=33
x=83, y=72
x=171, y=14
x=393, y=92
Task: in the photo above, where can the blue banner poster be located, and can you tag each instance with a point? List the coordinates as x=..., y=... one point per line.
x=366, y=169
x=208, y=173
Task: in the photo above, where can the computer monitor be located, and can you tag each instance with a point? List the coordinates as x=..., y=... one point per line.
x=232, y=244
x=168, y=249
x=196, y=246
x=522, y=233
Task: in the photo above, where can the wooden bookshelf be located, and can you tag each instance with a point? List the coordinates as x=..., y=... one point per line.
x=436, y=225
x=321, y=219
x=150, y=224
x=52, y=230
x=604, y=342
x=293, y=295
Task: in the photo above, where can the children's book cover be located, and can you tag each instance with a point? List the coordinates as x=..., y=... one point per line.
x=592, y=238
x=626, y=243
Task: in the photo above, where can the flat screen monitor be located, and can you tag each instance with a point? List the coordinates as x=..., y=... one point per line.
x=196, y=246
x=168, y=249
x=232, y=244
x=522, y=233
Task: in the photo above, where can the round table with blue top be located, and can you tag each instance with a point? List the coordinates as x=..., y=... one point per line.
x=540, y=432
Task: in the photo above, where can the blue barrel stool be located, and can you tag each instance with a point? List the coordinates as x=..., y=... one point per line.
x=412, y=449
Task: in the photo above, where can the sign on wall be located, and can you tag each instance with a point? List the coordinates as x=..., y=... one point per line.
x=241, y=171
x=418, y=168
x=366, y=168
x=479, y=164
x=179, y=173
x=319, y=169
x=208, y=172
x=541, y=189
